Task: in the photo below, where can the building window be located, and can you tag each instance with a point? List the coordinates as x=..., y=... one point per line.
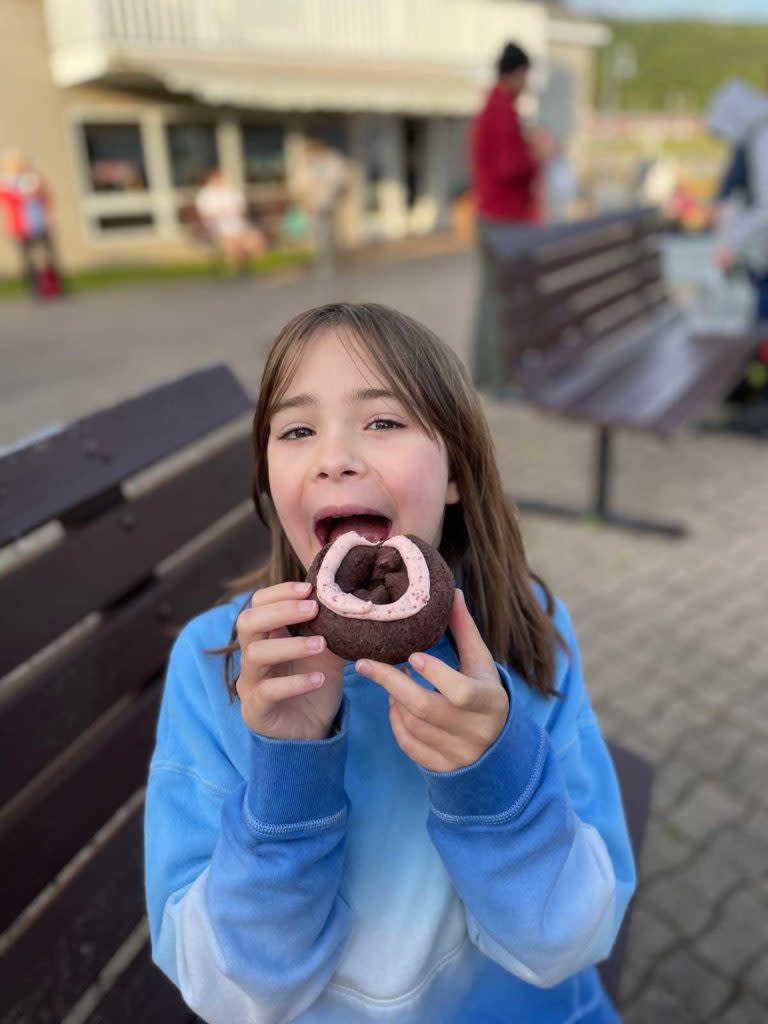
x=115, y=156
x=124, y=221
x=193, y=152
x=263, y=156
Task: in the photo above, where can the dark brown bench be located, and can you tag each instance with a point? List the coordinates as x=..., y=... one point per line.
x=588, y=331
x=114, y=532
x=77, y=724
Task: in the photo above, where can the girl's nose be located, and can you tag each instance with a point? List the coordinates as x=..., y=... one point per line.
x=336, y=460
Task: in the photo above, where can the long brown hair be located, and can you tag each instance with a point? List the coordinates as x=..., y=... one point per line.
x=481, y=539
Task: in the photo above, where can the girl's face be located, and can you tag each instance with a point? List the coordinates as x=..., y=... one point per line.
x=344, y=453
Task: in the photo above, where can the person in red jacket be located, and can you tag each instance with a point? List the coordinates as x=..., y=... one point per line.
x=25, y=201
x=506, y=170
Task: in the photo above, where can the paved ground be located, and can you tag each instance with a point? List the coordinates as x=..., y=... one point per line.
x=672, y=632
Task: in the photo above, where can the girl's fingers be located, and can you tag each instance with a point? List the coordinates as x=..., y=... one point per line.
x=273, y=691
x=475, y=660
x=255, y=623
x=280, y=592
x=458, y=689
x=275, y=651
x=420, y=702
x=415, y=748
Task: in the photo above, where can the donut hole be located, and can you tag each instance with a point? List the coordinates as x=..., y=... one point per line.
x=376, y=574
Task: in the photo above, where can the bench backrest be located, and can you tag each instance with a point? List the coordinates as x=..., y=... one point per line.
x=113, y=532
x=566, y=289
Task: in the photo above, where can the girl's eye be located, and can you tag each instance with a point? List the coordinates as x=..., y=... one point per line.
x=388, y=424
x=294, y=435
x=298, y=433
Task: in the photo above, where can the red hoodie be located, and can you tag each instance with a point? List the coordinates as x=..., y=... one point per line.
x=25, y=211
x=504, y=168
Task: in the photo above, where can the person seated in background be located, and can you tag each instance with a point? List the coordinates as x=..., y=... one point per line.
x=221, y=208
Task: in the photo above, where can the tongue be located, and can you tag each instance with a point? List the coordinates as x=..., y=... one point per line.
x=371, y=527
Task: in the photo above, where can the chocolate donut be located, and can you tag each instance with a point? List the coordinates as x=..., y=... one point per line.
x=380, y=600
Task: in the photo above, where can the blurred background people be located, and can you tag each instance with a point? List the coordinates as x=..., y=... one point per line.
x=222, y=210
x=738, y=113
x=26, y=203
x=506, y=172
x=320, y=186
x=559, y=187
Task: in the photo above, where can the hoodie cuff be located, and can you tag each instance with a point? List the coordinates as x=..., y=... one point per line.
x=501, y=782
x=298, y=782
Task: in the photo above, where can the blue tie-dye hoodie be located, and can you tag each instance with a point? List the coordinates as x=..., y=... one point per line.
x=336, y=882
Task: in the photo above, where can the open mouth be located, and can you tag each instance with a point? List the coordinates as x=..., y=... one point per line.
x=371, y=525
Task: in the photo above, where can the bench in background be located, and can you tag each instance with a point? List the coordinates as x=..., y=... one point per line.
x=588, y=331
x=99, y=569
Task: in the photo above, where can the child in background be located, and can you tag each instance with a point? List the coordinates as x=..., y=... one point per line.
x=28, y=222
x=222, y=210
x=333, y=843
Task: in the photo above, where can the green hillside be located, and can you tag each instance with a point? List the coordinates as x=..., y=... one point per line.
x=680, y=63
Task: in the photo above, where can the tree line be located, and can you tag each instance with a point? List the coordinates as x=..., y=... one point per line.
x=677, y=65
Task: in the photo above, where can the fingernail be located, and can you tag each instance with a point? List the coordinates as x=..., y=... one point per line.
x=363, y=666
x=315, y=643
x=300, y=588
x=418, y=661
x=316, y=678
x=307, y=606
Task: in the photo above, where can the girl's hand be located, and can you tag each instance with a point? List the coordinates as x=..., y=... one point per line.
x=290, y=687
x=452, y=728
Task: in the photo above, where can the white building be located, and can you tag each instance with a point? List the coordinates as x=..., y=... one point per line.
x=124, y=104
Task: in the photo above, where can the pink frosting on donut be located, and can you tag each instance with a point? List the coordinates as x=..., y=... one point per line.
x=330, y=594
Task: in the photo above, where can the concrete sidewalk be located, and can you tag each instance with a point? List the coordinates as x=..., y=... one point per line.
x=673, y=633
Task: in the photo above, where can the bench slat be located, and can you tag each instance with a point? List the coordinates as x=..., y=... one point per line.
x=92, y=455
x=111, y=555
x=142, y=995
x=59, y=956
x=58, y=702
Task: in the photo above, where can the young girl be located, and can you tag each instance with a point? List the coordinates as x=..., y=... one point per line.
x=424, y=844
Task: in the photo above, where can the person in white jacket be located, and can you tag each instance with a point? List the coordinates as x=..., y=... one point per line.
x=738, y=114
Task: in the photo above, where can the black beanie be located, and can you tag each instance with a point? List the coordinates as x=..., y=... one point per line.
x=512, y=57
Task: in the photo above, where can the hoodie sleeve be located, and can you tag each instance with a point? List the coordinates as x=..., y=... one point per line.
x=242, y=876
x=534, y=837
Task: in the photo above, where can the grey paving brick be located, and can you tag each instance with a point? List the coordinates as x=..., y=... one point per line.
x=684, y=904
x=738, y=846
x=693, y=982
x=665, y=849
x=739, y=932
x=757, y=975
x=710, y=806
x=650, y=936
x=715, y=745
x=743, y=1010
x=656, y=1006
x=674, y=779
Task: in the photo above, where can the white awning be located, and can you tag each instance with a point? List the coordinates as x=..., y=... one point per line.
x=284, y=85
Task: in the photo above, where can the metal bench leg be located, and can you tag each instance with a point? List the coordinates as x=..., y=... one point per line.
x=601, y=513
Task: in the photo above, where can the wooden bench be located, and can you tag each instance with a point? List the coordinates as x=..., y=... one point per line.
x=588, y=331
x=128, y=559
x=113, y=533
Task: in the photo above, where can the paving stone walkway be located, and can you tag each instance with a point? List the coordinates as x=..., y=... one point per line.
x=673, y=633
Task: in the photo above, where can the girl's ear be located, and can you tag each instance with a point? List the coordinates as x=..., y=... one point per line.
x=452, y=496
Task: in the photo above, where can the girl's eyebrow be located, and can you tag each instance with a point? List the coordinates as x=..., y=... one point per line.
x=363, y=395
